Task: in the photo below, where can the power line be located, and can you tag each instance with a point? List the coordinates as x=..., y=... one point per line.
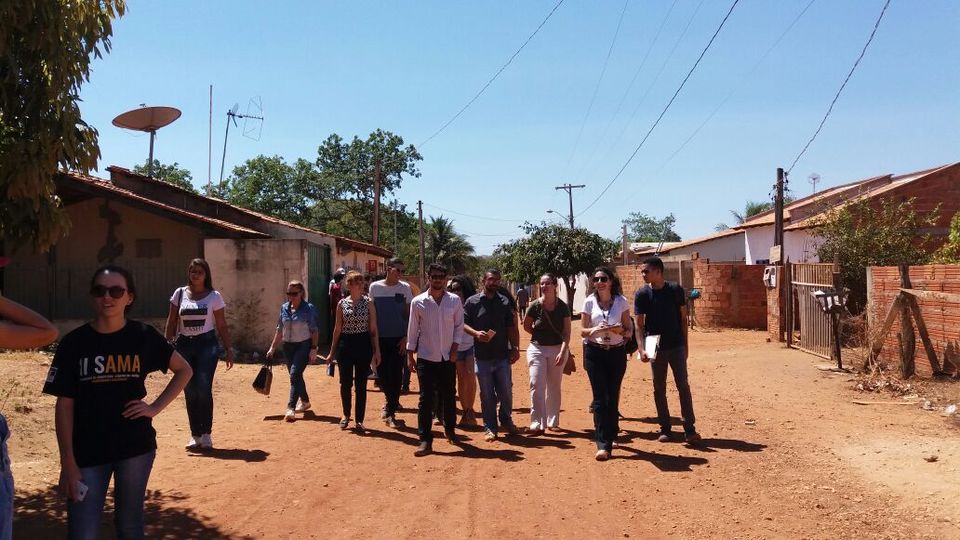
x=495, y=75
x=665, y=109
x=876, y=25
x=473, y=215
x=596, y=89
x=626, y=93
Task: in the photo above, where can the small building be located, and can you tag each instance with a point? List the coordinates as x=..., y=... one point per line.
x=155, y=229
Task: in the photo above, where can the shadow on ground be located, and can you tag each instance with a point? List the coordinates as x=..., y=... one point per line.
x=43, y=514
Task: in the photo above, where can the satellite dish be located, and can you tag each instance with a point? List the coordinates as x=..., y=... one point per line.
x=148, y=119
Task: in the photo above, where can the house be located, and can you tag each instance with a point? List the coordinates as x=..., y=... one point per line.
x=155, y=229
x=751, y=241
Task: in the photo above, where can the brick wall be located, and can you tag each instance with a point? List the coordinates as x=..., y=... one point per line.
x=731, y=295
x=942, y=318
x=776, y=299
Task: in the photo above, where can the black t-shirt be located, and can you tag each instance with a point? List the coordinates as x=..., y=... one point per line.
x=497, y=314
x=545, y=333
x=661, y=308
x=102, y=373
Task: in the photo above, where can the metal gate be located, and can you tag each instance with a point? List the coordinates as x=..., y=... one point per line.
x=807, y=317
x=318, y=276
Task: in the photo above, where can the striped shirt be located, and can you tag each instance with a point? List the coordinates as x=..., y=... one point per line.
x=196, y=315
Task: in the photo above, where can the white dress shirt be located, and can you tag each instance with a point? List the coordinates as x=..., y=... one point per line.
x=434, y=328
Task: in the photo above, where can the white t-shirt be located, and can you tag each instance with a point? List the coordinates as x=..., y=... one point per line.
x=196, y=316
x=612, y=316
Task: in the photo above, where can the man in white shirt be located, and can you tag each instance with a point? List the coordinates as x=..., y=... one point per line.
x=433, y=333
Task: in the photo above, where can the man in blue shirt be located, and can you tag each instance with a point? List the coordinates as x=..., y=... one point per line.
x=490, y=318
x=392, y=298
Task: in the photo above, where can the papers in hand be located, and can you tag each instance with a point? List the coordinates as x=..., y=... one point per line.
x=650, y=346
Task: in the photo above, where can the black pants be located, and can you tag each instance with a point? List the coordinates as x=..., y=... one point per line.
x=676, y=359
x=437, y=379
x=605, y=369
x=390, y=371
x=354, y=354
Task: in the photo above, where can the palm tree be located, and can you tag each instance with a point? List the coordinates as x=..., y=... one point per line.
x=750, y=209
x=445, y=245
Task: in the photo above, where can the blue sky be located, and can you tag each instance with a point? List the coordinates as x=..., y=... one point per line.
x=352, y=67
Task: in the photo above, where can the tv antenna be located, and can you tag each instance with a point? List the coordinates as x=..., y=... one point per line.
x=814, y=178
x=148, y=119
x=252, y=126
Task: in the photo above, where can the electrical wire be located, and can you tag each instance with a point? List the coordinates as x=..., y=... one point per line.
x=596, y=89
x=473, y=215
x=665, y=109
x=495, y=75
x=876, y=25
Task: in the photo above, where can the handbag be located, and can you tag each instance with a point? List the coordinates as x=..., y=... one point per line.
x=264, y=379
x=632, y=344
x=571, y=365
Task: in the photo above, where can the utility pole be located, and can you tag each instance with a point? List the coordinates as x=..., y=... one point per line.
x=778, y=211
x=396, y=235
x=624, y=242
x=420, y=217
x=376, y=204
x=569, y=189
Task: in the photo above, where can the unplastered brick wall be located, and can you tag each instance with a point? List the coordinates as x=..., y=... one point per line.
x=731, y=295
x=776, y=299
x=942, y=318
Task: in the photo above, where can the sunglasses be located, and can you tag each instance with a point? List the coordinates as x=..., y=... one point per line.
x=293, y=293
x=116, y=292
x=438, y=276
x=600, y=279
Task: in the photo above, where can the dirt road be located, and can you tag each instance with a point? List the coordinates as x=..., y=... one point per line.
x=785, y=454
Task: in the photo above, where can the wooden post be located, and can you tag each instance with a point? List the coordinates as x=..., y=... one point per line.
x=906, y=337
x=788, y=285
x=423, y=283
x=376, y=204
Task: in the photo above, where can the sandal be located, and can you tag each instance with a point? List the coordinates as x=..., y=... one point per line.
x=344, y=422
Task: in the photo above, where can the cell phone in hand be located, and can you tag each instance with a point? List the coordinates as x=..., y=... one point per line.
x=81, y=491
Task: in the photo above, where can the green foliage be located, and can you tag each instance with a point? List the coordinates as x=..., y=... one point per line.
x=272, y=186
x=45, y=54
x=445, y=245
x=949, y=253
x=171, y=174
x=554, y=248
x=862, y=234
x=644, y=228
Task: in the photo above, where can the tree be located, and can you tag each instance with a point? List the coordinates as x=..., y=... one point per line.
x=750, y=209
x=949, y=252
x=869, y=233
x=644, y=228
x=557, y=249
x=272, y=186
x=46, y=49
x=171, y=174
x=445, y=245
x=347, y=171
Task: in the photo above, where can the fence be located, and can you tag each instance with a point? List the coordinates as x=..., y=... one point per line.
x=807, y=317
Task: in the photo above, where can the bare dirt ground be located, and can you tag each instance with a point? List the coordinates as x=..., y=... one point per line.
x=785, y=454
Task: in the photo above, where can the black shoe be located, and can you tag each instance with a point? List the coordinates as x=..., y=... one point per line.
x=452, y=437
x=424, y=449
x=692, y=437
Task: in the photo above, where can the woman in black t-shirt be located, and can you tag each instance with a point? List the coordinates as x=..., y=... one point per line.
x=103, y=424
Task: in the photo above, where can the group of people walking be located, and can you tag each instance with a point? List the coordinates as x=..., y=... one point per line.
x=455, y=339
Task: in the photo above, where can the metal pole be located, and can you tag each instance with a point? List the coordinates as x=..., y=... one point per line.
x=224, y=157
x=153, y=135
x=420, y=217
x=210, y=145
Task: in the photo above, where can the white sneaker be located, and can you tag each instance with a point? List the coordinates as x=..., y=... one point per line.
x=206, y=442
x=303, y=406
x=290, y=416
x=193, y=443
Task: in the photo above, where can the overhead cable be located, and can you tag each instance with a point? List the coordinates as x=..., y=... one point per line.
x=665, y=109
x=495, y=75
x=876, y=25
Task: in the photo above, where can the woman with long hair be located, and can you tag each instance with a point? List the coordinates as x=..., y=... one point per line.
x=103, y=423
x=297, y=330
x=195, y=319
x=547, y=320
x=605, y=321
x=354, y=346
x=463, y=287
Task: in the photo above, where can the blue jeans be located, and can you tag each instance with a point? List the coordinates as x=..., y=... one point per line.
x=129, y=488
x=6, y=484
x=605, y=369
x=676, y=359
x=202, y=353
x=297, y=355
x=495, y=379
